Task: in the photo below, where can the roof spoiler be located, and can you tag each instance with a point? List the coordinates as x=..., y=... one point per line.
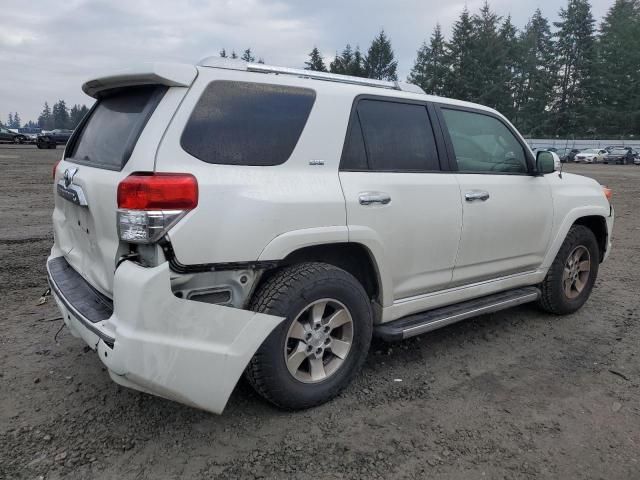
x=170, y=74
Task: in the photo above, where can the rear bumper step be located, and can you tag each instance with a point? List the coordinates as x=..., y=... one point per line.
x=86, y=304
x=420, y=323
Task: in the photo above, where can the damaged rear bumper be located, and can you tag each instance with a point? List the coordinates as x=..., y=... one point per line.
x=183, y=350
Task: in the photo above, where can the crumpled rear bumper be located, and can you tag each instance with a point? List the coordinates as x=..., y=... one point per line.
x=187, y=351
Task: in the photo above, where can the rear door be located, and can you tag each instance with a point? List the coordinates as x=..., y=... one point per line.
x=507, y=211
x=119, y=136
x=400, y=203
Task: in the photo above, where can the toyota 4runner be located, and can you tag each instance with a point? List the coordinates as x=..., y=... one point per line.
x=229, y=217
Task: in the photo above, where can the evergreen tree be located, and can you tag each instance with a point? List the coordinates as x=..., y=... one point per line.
x=223, y=53
x=487, y=83
x=76, y=114
x=45, y=119
x=10, y=120
x=379, y=62
x=616, y=108
x=460, y=58
x=575, y=54
x=60, y=115
x=234, y=55
x=508, y=35
x=247, y=56
x=356, y=66
x=535, y=76
x=315, y=61
x=430, y=68
x=349, y=62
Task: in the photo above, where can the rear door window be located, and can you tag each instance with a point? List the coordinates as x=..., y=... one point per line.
x=242, y=123
x=109, y=134
x=396, y=137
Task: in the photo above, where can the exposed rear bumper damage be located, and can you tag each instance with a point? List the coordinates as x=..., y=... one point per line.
x=183, y=350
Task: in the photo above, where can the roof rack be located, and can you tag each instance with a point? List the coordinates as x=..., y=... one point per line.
x=233, y=64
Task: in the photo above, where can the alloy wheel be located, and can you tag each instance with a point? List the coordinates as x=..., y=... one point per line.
x=576, y=272
x=318, y=341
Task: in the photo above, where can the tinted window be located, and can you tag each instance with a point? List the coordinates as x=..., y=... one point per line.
x=483, y=143
x=239, y=123
x=398, y=136
x=354, y=156
x=110, y=133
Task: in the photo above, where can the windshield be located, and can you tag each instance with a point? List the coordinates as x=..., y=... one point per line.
x=113, y=127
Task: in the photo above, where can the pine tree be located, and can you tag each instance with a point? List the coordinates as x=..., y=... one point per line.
x=315, y=61
x=460, y=58
x=223, y=53
x=616, y=108
x=487, y=82
x=76, y=114
x=60, y=115
x=10, y=120
x=575, y=54
x=379, y=62
x=247, y=56
x=349, y=62
x=535, y=76
x=356, y=67
x=508, y=35
x=234, y=55
x=45, y=120
x=430, y=67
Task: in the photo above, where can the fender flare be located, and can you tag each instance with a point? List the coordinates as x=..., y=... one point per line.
x=288, y=242
x=568, y=221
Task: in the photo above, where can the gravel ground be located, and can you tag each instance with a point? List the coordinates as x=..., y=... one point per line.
x=516, y=394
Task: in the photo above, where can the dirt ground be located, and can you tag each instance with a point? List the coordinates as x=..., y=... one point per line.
x=516, y=394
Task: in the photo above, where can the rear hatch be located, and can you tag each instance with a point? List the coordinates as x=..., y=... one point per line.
x=119, y=136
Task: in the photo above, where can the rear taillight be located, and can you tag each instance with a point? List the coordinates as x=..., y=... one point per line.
x=608, y=193
x=149, y=204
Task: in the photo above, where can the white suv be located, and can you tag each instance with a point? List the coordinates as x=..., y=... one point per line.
x=228, y=217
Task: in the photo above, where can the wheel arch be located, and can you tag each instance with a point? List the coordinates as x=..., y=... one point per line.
x=598, y=225
x=593, y=218
x=352, y=257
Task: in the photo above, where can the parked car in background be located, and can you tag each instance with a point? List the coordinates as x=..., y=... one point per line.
x=7, y=135
x=591, y=155
x=567, y=154
x=619, y=156
x=53, y=138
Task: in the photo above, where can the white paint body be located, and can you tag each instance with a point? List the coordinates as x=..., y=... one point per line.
x=430, y=247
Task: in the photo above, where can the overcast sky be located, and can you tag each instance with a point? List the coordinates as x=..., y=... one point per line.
x=47, y=48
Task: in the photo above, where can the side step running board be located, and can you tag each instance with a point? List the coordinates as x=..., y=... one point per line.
x=420, y=323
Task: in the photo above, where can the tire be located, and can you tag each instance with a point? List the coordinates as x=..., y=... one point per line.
x=40, y=146
x=556, y=297
x=52, y=146
x=293, y=293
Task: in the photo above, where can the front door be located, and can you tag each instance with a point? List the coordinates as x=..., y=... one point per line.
x=399, y=202
x=507, y=211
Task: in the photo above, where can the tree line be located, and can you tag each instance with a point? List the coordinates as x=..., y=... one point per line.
x=60, y=116
x=572, y=79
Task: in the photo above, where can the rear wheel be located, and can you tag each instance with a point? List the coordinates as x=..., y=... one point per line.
x=570, y=279
x=323, y=341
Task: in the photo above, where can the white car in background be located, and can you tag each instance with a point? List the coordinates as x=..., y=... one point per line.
x=591, y=155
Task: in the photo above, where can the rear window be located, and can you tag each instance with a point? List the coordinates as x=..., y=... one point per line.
x=241, y=123
x=108, y=135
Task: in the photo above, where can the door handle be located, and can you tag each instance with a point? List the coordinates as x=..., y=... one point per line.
x=474, y=195
x=374, y=198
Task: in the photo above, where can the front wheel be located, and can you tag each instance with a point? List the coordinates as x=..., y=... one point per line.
x=323, y=341
x=573, y=273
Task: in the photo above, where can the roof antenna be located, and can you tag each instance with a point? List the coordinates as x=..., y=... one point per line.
x=562, y=165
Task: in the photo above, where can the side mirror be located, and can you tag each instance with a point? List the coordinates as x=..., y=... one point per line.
x=546, y=162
